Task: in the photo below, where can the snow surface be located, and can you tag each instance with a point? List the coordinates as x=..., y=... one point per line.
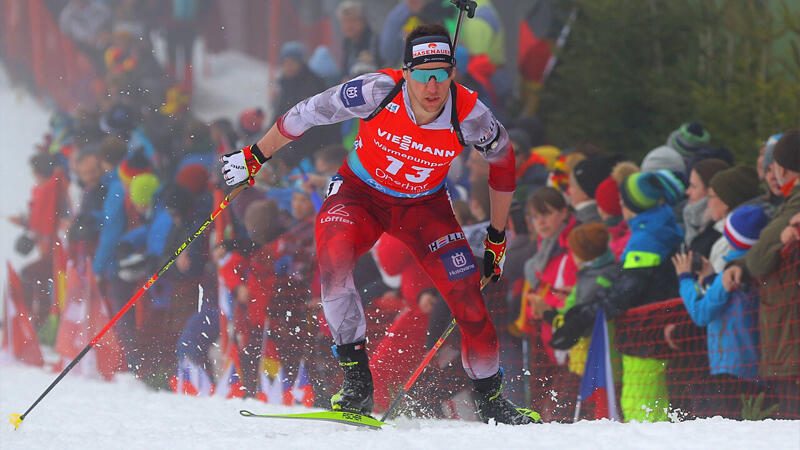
x=87, y=414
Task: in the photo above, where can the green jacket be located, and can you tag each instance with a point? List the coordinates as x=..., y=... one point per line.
x=780, y=348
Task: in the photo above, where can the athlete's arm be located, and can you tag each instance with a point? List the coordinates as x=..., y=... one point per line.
x=356, y=98
x=482, y=130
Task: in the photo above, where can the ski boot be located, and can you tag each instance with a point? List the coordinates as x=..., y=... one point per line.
x=356, y=392
x=492, y=405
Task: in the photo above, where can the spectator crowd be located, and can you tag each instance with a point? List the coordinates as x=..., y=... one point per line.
x=122, y=183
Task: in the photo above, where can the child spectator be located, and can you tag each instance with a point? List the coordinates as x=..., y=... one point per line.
x=597, y=269
x=610, y=211
x=645, y=278
x=731, y=316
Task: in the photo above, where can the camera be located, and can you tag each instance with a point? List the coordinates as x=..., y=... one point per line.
x=697, y=259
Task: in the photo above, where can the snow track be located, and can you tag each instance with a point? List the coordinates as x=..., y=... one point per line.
x=83, y=413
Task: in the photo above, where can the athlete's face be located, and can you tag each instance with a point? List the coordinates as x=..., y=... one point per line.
x=430, y=96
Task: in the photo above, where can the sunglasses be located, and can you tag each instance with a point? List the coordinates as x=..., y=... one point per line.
x=424, y=75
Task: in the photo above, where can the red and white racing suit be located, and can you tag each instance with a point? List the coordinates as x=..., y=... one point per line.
x=393, y=182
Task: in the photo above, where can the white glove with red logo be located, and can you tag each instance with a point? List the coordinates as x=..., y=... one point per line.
x=242, y=165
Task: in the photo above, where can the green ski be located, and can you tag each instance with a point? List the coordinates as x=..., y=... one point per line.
x=345, y=418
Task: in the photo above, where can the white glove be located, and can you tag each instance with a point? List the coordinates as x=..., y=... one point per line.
x=241, y=166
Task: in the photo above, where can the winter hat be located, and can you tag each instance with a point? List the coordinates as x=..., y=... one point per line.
x=607, y=196
x=323, y=64
x=735, y=185
x=521, y=138
x=744, y=225
x=194, y=177
x=643, y=190
x=707, y=168
x=689, y=138
x=293, y=49
x=663, y=158
x=133, y=165
x=769, y=155
x=588, y=241
x=590, y=172
x=251, y=120
x=623, y=170
x=142, y=189
x=787, y=151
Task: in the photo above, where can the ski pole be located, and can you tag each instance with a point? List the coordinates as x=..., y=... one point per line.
x=463, y=5
x=424, y=363
x=16, y=419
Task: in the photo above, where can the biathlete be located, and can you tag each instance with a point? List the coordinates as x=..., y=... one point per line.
x=414, y=122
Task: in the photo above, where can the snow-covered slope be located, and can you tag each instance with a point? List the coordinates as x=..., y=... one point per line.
x=86, y=414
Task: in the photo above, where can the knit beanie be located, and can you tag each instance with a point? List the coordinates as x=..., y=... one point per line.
x=735, y=185
x=142, y=189
x=293, y=49
x=588, y=241
x=707, y=168
x=193, y=177
x=607, y=197
x=769, y=155
x=744, y=225
x=590, y=172
x=787, y=151
x=251, y=120
x=663, y=158
x=643, y=190
x=132, y=166
x=689, y=138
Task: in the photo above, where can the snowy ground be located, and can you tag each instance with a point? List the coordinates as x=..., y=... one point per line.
x=87, y=414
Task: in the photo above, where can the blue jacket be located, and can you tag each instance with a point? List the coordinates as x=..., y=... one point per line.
x=151, y=237
x=647, y=275
x=113, y=221
x=654, y=234
x=731, y=319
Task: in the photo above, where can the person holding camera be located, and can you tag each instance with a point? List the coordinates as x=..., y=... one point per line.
x=730, y=315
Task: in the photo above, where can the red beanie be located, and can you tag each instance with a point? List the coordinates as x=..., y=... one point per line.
x=194, y=177
x=607, y=197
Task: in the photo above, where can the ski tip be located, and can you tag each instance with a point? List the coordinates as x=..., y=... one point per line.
x=246, y=413
x=16, y=420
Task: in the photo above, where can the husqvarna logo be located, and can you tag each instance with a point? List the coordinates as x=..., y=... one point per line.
x=459, y=260
x=351, y=92
x=459, y=263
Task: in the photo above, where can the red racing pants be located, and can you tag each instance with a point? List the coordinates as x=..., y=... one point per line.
x=351, y=220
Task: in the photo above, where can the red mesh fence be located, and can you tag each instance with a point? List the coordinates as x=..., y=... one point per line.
x=666, y=367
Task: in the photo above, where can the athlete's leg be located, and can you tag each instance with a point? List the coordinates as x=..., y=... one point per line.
x=434, y=237
x=345, y=230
